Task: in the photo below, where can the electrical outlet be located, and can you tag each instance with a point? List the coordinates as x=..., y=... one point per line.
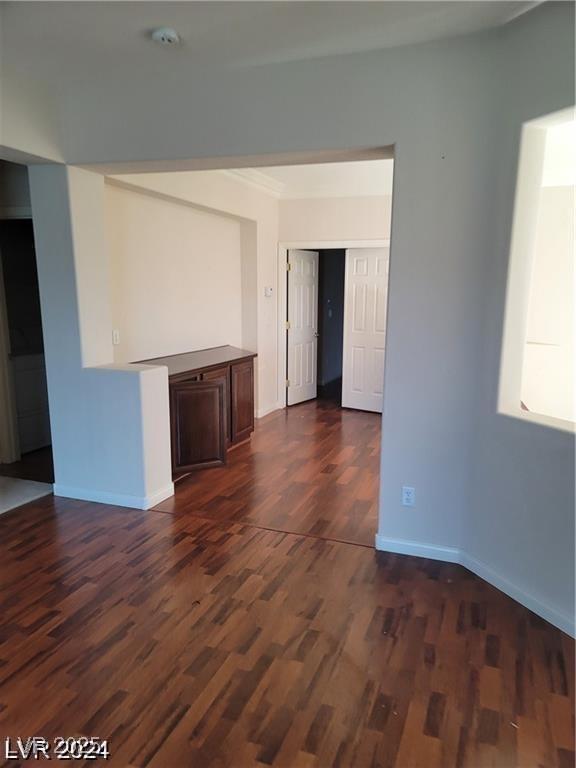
x=408, y=496
x=115, y=337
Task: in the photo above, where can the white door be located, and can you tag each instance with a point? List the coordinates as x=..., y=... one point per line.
x=365, y=299
x=302, y=325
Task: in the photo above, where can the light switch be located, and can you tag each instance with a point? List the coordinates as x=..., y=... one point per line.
x=268, y=292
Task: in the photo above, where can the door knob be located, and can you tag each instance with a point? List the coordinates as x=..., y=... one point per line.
x=316, y=334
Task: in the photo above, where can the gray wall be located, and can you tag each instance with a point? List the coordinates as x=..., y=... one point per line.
x=520, y=519
x=14, y=188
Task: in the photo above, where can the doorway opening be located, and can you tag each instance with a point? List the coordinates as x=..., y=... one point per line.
x=331, y=279
x=224, y=228
x=25, y=441
x=334, y=333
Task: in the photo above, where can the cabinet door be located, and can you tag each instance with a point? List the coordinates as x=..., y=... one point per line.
x=242, y=375
x=222, y=374
x=197, y=424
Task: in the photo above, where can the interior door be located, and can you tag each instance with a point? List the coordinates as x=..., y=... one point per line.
x=365, y=301
x=302, y=325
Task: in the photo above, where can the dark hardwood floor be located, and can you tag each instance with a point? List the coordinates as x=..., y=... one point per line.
x=198, y=638
x=311, y=469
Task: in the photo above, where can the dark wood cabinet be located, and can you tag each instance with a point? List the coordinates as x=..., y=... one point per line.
x=198, y=427
x=211, y=405
x=242, y=400
x=223, y=374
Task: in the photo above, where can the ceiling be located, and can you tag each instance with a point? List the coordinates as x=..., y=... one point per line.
x=352, y=179
x=74, y=40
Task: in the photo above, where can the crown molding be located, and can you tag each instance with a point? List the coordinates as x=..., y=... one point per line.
x=257, y=180
x=519, y=10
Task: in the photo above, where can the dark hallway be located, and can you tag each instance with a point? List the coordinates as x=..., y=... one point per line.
x=331, y=273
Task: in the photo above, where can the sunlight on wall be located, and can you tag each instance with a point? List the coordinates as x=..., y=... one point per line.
x=538, y=361
x=548, y=366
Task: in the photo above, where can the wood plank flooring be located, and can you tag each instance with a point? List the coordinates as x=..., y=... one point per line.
x=311, y=469
x=198, y=642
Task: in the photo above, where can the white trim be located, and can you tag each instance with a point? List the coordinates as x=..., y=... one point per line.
x=261, y=179
x=261, y=412
x=532, y=602
x=541, y=419
x=155, y=498
x=330, y=244
x=283, y=248
x=519, y=9
x=117, y=499
x=417, y=549
x=454, y=555
x=257, y=180
x=15, y=212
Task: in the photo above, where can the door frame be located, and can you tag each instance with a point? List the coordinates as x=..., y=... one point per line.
x=282, y=281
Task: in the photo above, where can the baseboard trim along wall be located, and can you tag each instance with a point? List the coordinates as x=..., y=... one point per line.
x=454, y=555
x=261, y=412
x=155, y=498
x=406, y=547
x=117, y=499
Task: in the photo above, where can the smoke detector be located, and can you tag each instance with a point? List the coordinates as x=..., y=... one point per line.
x=165, y=36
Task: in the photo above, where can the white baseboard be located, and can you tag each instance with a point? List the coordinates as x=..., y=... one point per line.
x=556, y=617
x=117, y=499
x=155, y=498
x=416, y=548
x=261, y=412
x=560, y=619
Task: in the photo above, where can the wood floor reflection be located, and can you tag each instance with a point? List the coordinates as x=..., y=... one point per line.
x=311, y=469
x=204, y=636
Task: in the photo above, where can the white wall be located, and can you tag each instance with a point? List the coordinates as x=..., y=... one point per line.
x=257, y=214
x=176, y=275
x=548, y=384
x=110, y=426
x=497, y=488
x=244, y=234
x=347, y=218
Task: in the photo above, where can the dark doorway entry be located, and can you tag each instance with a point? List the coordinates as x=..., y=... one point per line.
x=26, y=359
x=331, y=274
